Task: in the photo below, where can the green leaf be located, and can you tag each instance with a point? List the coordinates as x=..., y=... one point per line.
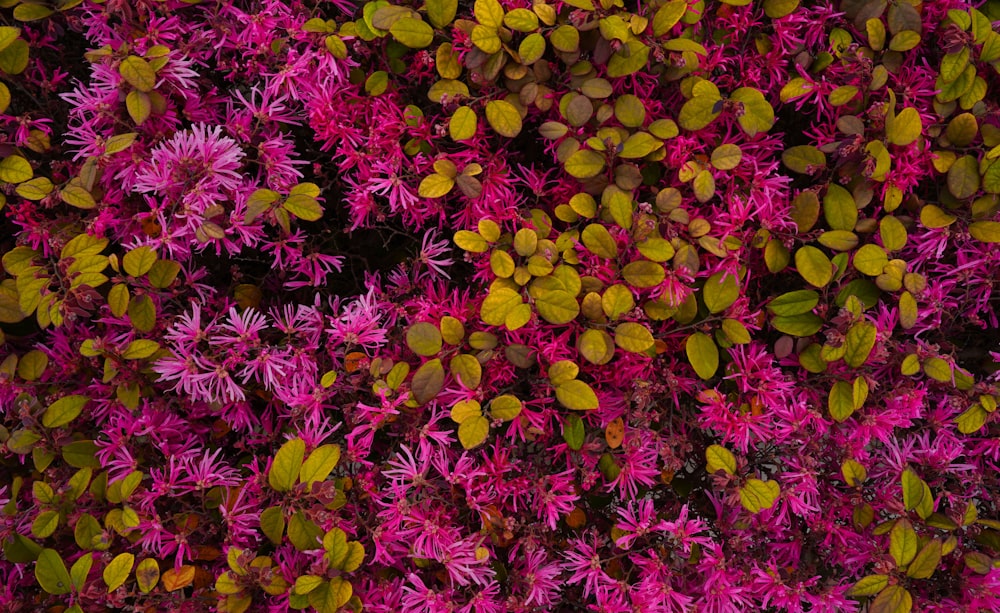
x=287, y=463
x=497, y=305
x=776, y=9
x=599, y=241
x=45, y=524
x=51, y=573
x=413, y=33
x=584, y=164
x=719, y=458
x=926, y=561
x=14, y=57
x=472, y=432
x=860, y=341
x=573, y=432
x=64, y=410
x=138, y=73
x=794, y=303
x=303, y=206
x=668, y=15
x=906, y=128
x=576, y=395
x=841, y=401
x=814, y=266
x=631, y=58
x=913, y=489
x=839, y=208
x=699, y=111
x=441, y=12
x=903, y=542
x=985, y=231
x=616, y=301
x=118, y=570
x=424, y=339
x=643, y=274
x=757, y=115
x=272, y=524
x=463, y=124
x=467, y=369
x=15, y=169
x=720, y=292
x=319, y=464
x=140, y=349
x=505, y=407
x=869, y=586
x=596, y=346
x=80, y=570
x=557, y=306
x=757, y=495
x=139, y=261
x=303, y=533
x=633, y=337
x=503, y=117
x=963, y=178
x=703, y=354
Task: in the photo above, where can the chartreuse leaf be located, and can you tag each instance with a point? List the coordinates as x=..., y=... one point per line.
x=463, y=124
x=869, y=586
x=903, y=542
x=703, y=354
x=272, y=524
x=584, y=164
x=472, y=432
x=118, y=570
x=424, y=339
x=15, y=169
x=413, y=33
x=287, y=463
x=576, y=395
x=757, y=115
x=814, y=266
x=721, y=290
x=505, y=407
x=985, y=231
x=794, y=303
x=319, y=464
x=504, y=118
x=906, y=128
x=839, y=208
x=668, y=15
x=599, y=241
x=720, y=458
x=64, y=410
x=700, y=111
x=80, y=570
x=441, y=12
x=138, y=73
x=574, y=432
x=860, y=341
x=51, y=573
x=913, y=489
x=557, y=306
x=633, y=337
x=596, y=346
x=757, y=495
x=854, y=473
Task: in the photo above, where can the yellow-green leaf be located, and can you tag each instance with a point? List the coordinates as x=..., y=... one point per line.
x=937, y=369
x=424, y=339
x=869, y=586
x=616, y=301
x=140, y=349
x=926, y=561
x=272, y=524
x=963, y=178
x=906, y=127
x=985, y=231
x=584, y=164
x=64, y=410
x=599, y=241
x=473, y=431
x=138, y=73
x=319, y=464
x=413, y=33
x=860, y=341
x=893, y=233
x=576, y=395
x=631, y=58
x=721, y=290
x=427, y=381
x=633, y=337
x=505, y=407
x=287, y=463
x=557, y=306
x=841, y=401
x=699, y=111
x=839, y=208
x=903, y=542
x=703, y=354
x=596, y=346
x=643, y=274
x=139, y=261
x=14, y=57
x=668, y=15
x=757, y=115
x=303, y=206
x=463, y=124
x=118, y=570
x=51, y=573
x=913, y=489
x=904, y=41
x=727, y=156
x=503, y=117
x=814, y=266
x=497, y=305
x=757, y=495
x=139, y=107
x=441, y=12
x=720, y=458
x=15, y=169
x=871, y=260
x=467, y=369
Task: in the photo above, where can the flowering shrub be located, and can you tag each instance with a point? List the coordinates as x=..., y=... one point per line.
x=504, y=305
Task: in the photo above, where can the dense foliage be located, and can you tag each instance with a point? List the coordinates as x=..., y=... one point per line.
x=504, y=305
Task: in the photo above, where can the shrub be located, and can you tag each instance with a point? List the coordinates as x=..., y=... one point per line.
x=500, y=305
